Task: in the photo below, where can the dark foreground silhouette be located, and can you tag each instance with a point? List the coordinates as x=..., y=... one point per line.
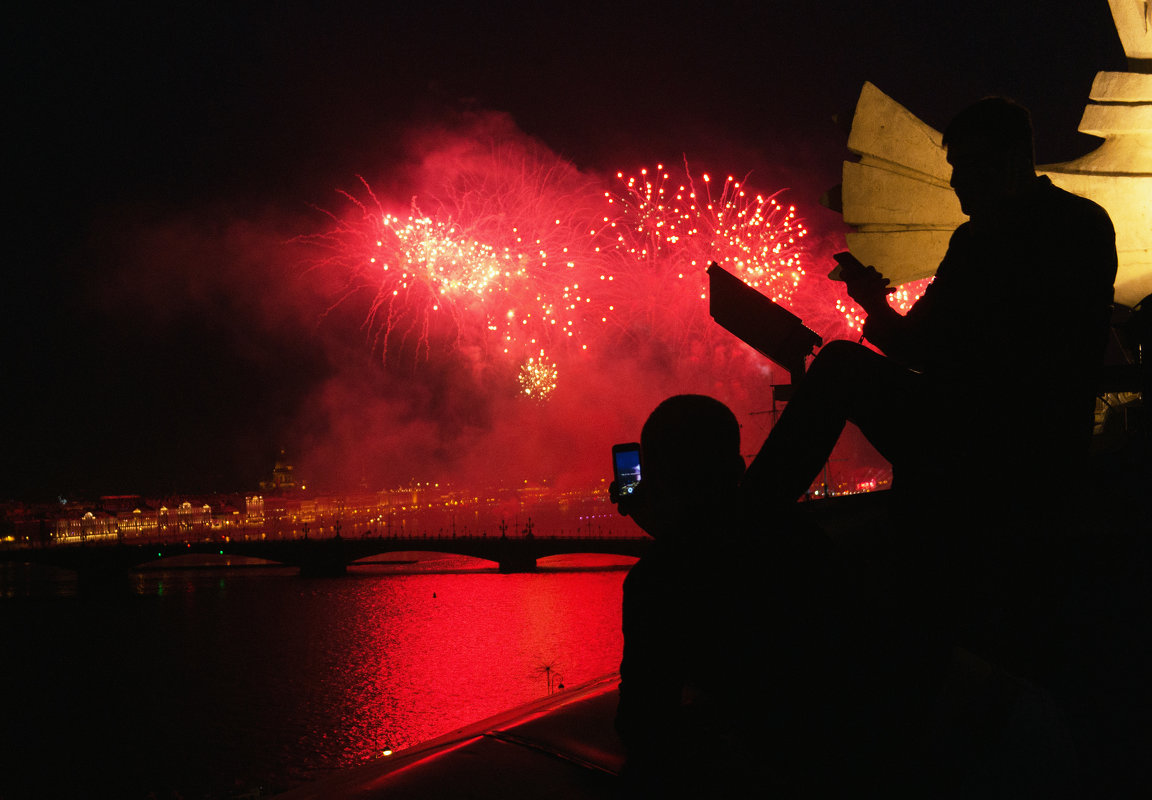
x=970, y=651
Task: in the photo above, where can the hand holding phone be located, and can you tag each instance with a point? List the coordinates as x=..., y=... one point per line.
x=625, y=470
x=630, y=495
x=847, y=267
x=866, y=285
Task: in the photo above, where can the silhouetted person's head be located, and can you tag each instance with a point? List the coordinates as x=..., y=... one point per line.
x=990, y=149
x=690, y=457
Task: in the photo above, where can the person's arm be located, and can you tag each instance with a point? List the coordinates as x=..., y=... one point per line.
x=907, y=338
x=901, y=336
x=870, y=290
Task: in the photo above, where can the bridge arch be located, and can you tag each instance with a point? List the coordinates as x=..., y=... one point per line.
x=586, y=560
x=320, y=556
x=425, y=560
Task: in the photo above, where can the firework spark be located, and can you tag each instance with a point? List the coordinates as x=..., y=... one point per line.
x=479, y=277
x=521, y=259
x=752, y=236
x=660, y=234
x=538, y=377
x=902, y=299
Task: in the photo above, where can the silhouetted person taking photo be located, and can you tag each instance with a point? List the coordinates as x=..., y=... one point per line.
x=689, y=669
x=726, y=660
x=982, y=399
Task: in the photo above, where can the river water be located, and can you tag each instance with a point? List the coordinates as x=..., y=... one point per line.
x=245, y=682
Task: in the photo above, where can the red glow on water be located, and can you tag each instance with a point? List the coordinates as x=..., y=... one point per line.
x=472, y=647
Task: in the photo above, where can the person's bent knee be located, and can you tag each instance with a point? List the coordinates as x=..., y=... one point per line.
x=840, y=356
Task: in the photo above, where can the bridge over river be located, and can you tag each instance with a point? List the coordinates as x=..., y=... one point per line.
x=107, y=562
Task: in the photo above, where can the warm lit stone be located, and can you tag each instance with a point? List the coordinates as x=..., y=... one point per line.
x=897, y=196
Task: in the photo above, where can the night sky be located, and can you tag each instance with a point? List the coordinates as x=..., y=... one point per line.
x=156, y=338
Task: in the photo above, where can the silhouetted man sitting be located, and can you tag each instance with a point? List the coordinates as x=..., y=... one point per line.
x=982, y=401
x=1000, y=355
x=983, y=398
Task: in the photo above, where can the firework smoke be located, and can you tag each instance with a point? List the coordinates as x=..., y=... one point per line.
x=493, y=265
x=530, y=315
x=500, y=275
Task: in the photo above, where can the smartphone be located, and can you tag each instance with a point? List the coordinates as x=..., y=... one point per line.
x=846, y=264
x=626, y=467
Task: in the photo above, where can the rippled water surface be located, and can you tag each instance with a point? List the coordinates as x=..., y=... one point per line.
x=226, y=683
